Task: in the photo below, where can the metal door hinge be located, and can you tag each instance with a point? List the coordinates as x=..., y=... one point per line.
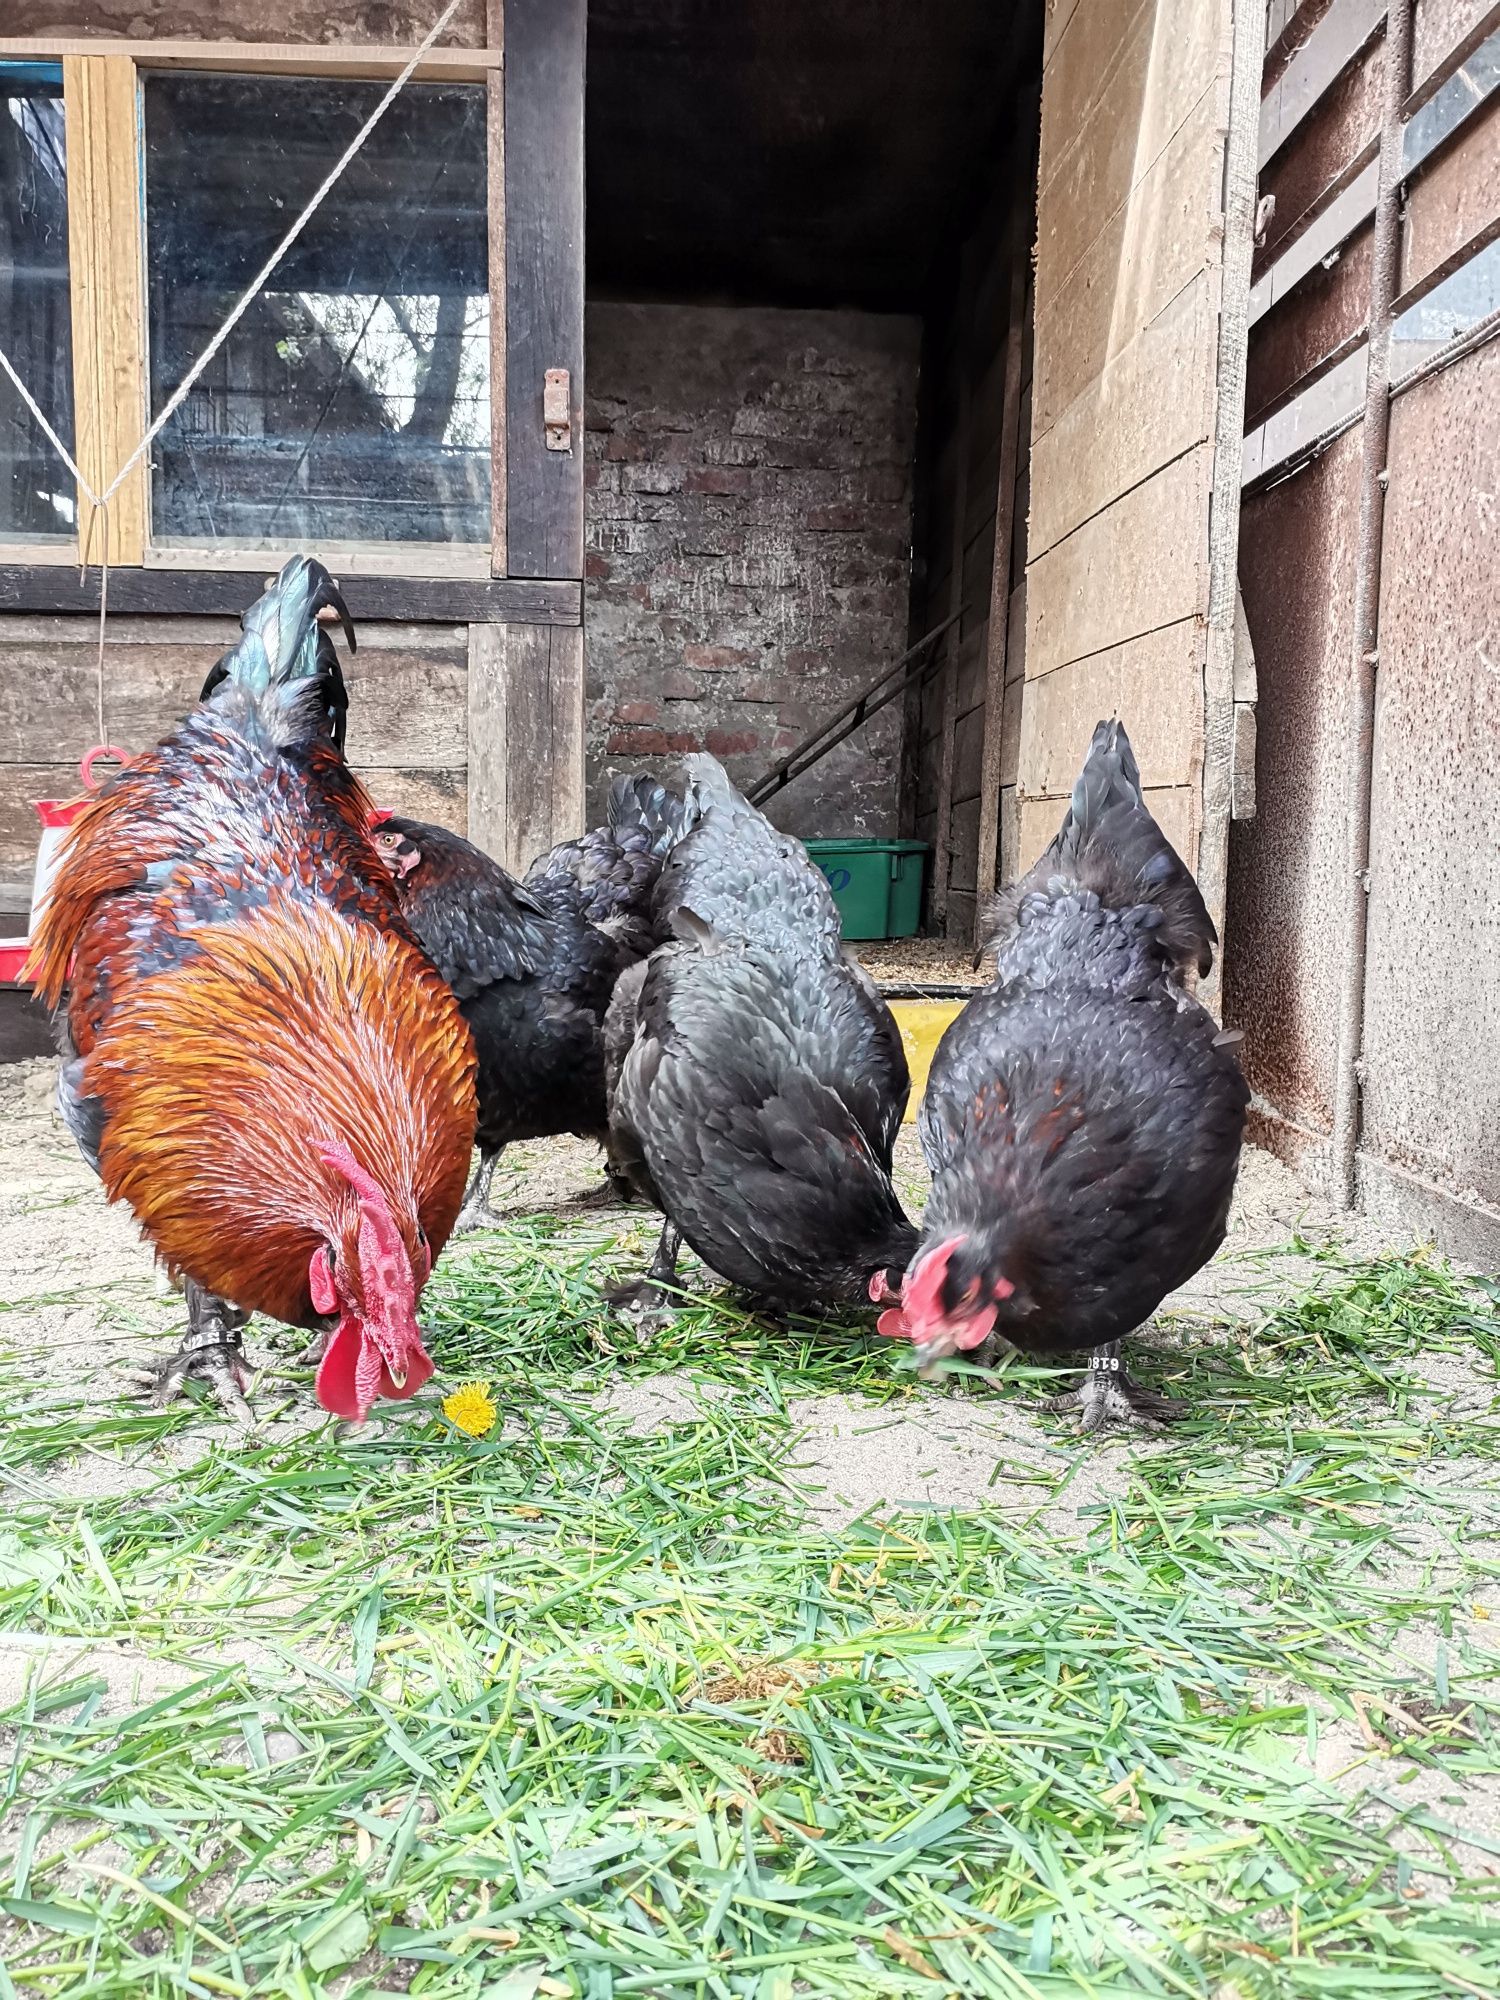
x=557, y=410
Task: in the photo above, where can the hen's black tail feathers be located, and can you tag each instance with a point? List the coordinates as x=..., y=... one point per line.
x=285, y=665
x=1109, y=846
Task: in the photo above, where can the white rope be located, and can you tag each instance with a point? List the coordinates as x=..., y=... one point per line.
x=100, y=501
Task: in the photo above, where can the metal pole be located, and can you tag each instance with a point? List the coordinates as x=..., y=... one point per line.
x=1360, y=750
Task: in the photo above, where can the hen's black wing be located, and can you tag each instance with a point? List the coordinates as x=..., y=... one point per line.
x=749, y=1149
x=475, y=922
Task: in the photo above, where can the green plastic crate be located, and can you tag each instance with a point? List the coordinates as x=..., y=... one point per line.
x=877, y=884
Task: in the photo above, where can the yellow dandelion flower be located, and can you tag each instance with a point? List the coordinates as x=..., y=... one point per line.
x=470, y=1409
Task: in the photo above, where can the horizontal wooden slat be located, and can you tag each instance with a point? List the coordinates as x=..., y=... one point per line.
x=1147, y=407
x=1150, y=250
x=1438, y=28
x=226, y=593
x=1154, y=684
x=1453, y=202
x=406, y=706
x=1136, y=567
x=1324, y=56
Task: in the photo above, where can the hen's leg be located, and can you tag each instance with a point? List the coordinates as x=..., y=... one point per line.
x=476, y=1212
x=1108, y=1394
x=212, y=1352
x=643, y=1301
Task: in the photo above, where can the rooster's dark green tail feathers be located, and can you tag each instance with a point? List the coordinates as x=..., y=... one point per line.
x=285, y=664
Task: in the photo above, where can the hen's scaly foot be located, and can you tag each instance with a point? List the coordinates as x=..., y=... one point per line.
x=219, y=1365
x=1109, y=1394
x=606, y=1196
x=475, y=1215
x=476, y=1212
x=641, y=1306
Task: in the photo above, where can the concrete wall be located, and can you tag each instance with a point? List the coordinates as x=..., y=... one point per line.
x=748, y=534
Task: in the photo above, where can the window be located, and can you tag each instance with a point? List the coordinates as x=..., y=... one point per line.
x=38, y=501
x=351, y=402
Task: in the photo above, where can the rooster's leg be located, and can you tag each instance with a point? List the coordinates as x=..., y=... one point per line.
x=476, y=1212
x=643, y=1301
x=212, y=1352
x=1108, y=1394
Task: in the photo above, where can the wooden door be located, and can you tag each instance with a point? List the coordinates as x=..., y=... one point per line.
x=1144, y=216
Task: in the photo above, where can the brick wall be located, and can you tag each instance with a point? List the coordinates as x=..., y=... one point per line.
x=748, y=537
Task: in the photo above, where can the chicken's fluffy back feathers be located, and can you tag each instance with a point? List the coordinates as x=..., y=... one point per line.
x=1109, y=846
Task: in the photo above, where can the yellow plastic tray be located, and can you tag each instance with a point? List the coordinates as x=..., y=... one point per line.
x=922, y=1024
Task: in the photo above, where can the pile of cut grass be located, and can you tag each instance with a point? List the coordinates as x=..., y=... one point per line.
x=575, y=1710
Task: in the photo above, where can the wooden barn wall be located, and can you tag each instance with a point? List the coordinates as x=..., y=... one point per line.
x=976, y=387
x=1125, y=402
x=1415, y=1060
x=408, y=715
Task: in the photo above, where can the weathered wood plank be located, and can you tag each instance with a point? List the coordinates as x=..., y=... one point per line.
x=488, y=775
x=544, y=64
x=937, y=894
x=1453, y=201
x=1318, y=64
x=407, y=704
x=438, y=796
x=1149, y=404
x=1154, y=685
x=1139, y=566
x=1000, y=716
x=226, y=593
x=566, y=671
x=1147, y=252
x=495, y=193
x=108, y=296
x=1157, y=77
x=303, y=25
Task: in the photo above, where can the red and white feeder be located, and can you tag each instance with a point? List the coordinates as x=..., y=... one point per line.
x=56, y=815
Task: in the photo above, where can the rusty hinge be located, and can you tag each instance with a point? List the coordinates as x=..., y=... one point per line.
x=557, y=412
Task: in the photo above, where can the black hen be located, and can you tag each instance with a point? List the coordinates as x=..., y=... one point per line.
x=534, y=964
x=1084, y=1113
x=757, y=1080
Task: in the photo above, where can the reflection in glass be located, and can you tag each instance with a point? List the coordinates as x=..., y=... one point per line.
x=38, y=500
x=351, y=403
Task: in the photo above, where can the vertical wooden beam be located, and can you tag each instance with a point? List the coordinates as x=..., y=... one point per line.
x=997, y=642
x=942, y=857
x=526, y=740
x=101, y=109
x=495, y=201
x=543, y=247
x=487, y=786
x=567, y=773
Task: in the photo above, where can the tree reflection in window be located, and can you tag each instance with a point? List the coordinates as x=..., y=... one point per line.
x=351, y=403
x=38, y=500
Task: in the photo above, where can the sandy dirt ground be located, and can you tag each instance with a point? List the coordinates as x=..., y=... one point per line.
x=80, y=1294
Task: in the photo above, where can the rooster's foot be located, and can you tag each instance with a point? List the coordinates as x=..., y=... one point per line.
x=212, y=1352
x=1109, y=1394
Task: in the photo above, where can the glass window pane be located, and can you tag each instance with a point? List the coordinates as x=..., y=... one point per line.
x=352, y=401
x=38, y=500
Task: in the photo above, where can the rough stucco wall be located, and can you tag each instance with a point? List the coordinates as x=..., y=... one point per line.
x=748, y=537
